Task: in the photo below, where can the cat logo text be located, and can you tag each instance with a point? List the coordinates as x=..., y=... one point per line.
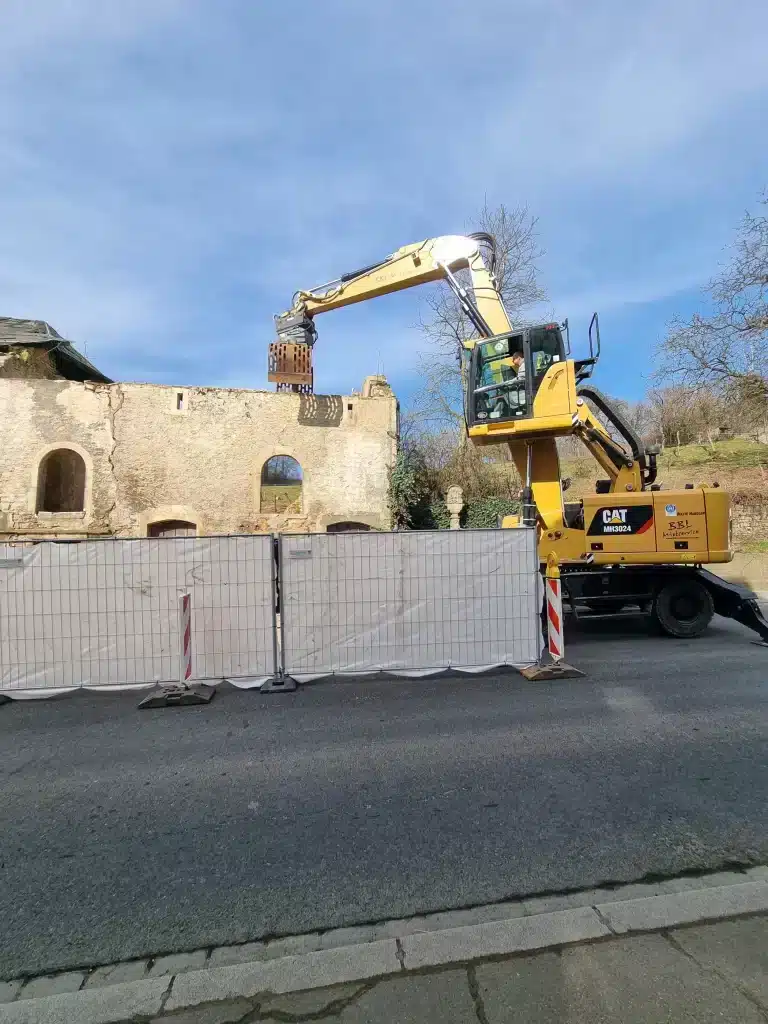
x=633, y=519
x=615, y=521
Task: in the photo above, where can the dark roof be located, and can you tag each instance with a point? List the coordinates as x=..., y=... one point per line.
x=66, y=359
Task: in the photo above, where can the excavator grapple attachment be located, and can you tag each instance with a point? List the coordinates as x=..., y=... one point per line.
x=290, y=366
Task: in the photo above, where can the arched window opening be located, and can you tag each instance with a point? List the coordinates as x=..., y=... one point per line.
x=347, y=527
x=172, y=528
x=61, y=482
x=281, y=485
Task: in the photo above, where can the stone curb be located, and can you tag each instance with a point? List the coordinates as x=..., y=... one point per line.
x=405, y=949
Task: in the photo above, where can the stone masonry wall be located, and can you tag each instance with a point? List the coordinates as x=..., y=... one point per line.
x=750, y=518
x=154, y=453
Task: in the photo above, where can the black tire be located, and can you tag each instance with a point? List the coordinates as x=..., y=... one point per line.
x=683, y=608
x=606, y=607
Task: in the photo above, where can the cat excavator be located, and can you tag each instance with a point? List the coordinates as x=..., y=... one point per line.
x=629, y=542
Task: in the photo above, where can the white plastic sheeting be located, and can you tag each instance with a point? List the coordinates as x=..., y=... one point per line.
x=103, y=614
x=357, y=602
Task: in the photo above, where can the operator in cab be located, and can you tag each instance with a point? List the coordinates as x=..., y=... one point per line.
x=501, y=369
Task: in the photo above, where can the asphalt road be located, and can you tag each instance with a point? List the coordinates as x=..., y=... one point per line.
x=126, y=833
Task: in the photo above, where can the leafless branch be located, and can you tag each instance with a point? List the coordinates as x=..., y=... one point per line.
x=725, y=352
x=445, y=326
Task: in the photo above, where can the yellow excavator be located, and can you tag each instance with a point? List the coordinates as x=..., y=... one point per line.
x=631, y=541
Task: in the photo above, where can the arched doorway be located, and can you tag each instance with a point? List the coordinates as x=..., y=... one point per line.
x=347, y=527
x=61, y=482
x=281, y=481
x=172, y=528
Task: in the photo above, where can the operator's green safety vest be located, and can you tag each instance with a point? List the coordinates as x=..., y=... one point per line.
x=494, y=370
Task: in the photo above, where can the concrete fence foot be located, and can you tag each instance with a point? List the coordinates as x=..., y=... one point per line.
x=554, y=670
x=178, y=695
x=279, y=684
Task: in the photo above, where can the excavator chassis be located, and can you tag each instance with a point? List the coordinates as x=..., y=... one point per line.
x=681, y=599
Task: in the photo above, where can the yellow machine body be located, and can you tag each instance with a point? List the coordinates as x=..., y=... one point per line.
x=688, y=527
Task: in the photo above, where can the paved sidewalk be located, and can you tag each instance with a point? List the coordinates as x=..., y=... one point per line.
x=716, y=972
x=690, y=949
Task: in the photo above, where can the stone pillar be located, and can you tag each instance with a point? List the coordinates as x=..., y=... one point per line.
x=454, y=501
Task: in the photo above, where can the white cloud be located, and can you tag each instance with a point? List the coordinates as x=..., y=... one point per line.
x=171, y=171
x=609, y=86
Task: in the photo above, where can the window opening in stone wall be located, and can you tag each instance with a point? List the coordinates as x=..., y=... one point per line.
x=281, y=481
x=180, y=401
x=61, y=482
x=349, y=527
x=172, y=528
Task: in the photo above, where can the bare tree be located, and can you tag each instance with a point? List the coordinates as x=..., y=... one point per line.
x=685, y=415
x=444, y=324
x=726, y=351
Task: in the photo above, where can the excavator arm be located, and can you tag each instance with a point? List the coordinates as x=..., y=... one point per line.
x=420, y=263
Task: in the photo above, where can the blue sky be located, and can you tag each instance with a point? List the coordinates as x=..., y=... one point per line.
x=172, y=170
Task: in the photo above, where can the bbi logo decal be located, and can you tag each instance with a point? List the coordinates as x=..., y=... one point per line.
x=633, y=519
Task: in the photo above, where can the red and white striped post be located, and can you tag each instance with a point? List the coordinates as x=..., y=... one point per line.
x=554, y=594
x=185, y=638
x=550, y=664
x=178, y=694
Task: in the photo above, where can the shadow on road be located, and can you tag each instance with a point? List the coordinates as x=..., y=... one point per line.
x=638, y=628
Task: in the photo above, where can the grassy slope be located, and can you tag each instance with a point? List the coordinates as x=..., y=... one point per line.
x=280, y=498
x=740, y=465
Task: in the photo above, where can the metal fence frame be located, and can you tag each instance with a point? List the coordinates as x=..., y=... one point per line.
x=102, y=613
x=501, y=606
x=70, y=626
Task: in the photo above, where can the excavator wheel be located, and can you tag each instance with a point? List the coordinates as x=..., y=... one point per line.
x=683, y=608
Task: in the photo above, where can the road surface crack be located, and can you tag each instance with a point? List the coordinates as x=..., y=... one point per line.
x=330, y=1010
x=400, y=953
x=604, y=920
x=477, y=999
x=167, y=994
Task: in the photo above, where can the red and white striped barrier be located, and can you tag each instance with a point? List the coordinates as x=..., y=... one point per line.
x=554, y=617
x=176, y=694
x=185, y=638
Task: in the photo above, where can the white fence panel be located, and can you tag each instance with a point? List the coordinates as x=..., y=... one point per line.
x=104, y=613
x=356, y=602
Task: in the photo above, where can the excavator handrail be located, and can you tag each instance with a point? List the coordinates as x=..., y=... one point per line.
x=645, y=458
x=594, y=347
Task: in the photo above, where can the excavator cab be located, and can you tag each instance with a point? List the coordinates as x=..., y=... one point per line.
x=505, y=376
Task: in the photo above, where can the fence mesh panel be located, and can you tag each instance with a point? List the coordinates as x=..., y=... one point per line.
x=360, y=601
x=106, y=612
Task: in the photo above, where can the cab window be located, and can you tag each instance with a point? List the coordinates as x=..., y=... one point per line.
x=546, y=344
x=499, y=381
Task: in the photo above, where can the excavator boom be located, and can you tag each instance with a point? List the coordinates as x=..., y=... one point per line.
x=433, y=259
